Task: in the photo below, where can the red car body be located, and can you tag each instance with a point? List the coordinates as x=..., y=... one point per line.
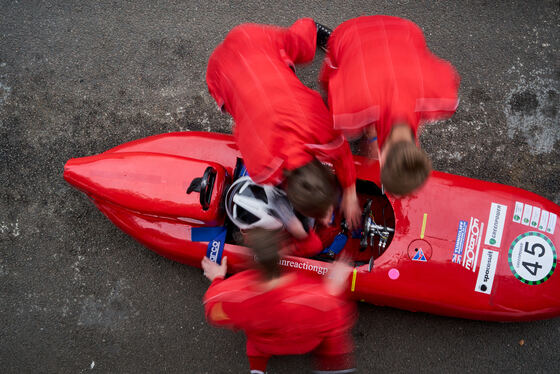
x=461, y=247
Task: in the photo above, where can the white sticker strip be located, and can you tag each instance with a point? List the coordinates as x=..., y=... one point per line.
x=478, y=244
x=544, y=220
x=551, y=223
x=526, y=214
x=486, y=271
x=518, y=212
x=535, y=216
x=496, y=221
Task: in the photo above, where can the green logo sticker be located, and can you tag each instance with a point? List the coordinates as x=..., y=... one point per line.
x=516, y=217
x=532, y=258
x=492, y=241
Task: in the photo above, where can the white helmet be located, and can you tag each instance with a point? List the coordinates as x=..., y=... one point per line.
x=250, y=205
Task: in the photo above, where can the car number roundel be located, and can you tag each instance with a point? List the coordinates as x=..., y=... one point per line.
x=532, y=258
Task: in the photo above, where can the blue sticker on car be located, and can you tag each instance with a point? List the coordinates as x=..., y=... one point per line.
x=216, y=238
x=419, y=256
x=460, y=242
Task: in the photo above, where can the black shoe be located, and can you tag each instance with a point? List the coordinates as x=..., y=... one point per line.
x=323, y=33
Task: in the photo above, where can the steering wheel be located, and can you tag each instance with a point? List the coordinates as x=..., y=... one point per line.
x=204, y=186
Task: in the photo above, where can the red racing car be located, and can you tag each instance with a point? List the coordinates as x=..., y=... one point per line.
x=457, y=247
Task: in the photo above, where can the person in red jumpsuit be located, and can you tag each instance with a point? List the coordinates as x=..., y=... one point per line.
x=283, y=313
x=382, y=79
x=280, y=124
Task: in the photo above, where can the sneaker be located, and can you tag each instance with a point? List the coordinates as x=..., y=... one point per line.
x=323, y=33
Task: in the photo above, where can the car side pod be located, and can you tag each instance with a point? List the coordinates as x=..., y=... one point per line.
x=141, y=186
x=154, y=184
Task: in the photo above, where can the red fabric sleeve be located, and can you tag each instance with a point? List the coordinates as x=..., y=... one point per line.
x=309, y=246
x=343, y=164
x=213, y=82
x=332, y=147
x=330, y=64
x=210, y=301
x=301, y=41
x=327, y=69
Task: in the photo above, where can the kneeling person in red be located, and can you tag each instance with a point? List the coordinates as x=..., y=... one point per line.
x=281, y=126
x=382, y=79
x=283, y=313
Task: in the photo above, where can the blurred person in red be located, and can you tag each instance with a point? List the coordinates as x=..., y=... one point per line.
x=283, y=313
x=282, y=127
x=382, y=80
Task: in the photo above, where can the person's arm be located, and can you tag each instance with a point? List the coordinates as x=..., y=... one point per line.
x=372, y=145
x=295, y=228
x=343, y=163
x=328, y=67
x=308, y=247
x=337, y=277
x=213, y=307
x=351, y=207
x=301, y=41
x=212, y=270
x=286, y=214
x=213, y=81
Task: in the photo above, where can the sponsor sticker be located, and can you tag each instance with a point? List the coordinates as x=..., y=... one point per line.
x=496, y=222
x=535, y=217
x=518, y=212
x=544, y=220
x=532, y=258
x=214, y=250
x=321, y=270
x=216, y=238
x=551, y=223
x=472, y=246
x=526, y=214
x=420, y=256
x=460, y=242
x=486, y=271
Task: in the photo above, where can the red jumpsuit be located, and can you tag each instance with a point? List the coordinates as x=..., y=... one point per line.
x=280, y=124
x=378, y=70
x=296, y=317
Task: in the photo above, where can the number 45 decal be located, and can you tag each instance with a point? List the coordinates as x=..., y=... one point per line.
x=533, y=267
x=532, y=258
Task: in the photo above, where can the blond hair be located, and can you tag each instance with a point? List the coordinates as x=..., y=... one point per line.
x=405, y=169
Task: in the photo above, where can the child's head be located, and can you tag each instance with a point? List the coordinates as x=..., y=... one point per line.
x=266, y=245
x=405, y=168
x=311, y=189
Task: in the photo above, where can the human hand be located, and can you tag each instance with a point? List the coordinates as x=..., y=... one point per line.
x=212, y=270
x=351, y=208
x=295, y=228
x=282, y=206
x=370, y=146
x=326, y=219
x=338, y=274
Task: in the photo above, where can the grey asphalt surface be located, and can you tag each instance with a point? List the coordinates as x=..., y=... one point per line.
x=77, y=78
